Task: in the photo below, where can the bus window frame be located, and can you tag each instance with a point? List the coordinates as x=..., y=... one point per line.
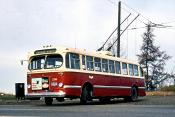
x=116, y=70
x=131, y=71
x=113, y=65
x=95, y=62
x=50, y=55
x=136, y=70
x=70, y=62
x=83, y=60
x=106, y=70
x=124, y=73
x=91, y=62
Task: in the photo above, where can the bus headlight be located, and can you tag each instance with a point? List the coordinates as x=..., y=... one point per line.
x=28, y=86
x=60, y=84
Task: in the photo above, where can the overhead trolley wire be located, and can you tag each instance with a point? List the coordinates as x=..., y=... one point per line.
x=113, y=33
x=109, y=48
x=137, y=13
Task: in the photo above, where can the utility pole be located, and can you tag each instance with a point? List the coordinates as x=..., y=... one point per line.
x=118, y=35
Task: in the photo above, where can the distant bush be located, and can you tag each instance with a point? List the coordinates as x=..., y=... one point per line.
x=168, y=88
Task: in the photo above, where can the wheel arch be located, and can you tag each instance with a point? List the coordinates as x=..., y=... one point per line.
x=89, y=84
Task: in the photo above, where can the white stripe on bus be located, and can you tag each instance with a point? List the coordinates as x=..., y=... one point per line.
x=102, y=86
x=113, y=87
x=71, y=86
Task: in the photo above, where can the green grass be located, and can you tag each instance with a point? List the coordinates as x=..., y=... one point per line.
x=7, y=97
x=170, y=88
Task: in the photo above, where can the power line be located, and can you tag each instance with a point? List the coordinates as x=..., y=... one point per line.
x=130, y=12
x=113, y=33
x=109, y=48
x=137, y=12
x=154, y=26
x=112, y=2
x=168, y=22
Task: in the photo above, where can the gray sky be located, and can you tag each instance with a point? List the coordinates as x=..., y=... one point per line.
x=29, y=24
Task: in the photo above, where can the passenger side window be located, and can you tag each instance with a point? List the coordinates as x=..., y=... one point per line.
x=117, y=66
x=124, y=69
x=136, y=73
x=90, y=63
x=83, y=62
x=131, y=70
x=111, y=66
x=97, y=62
x=72, y=61
x=67, y=60
x=104, y=65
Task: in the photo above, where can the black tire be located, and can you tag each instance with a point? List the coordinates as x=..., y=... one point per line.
x=86, y=95
x=60, y=99
x=134, y=94
x=48, y=101
x=127, y=99
x=104, y=100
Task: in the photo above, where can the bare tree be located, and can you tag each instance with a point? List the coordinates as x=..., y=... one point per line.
x=153, y=60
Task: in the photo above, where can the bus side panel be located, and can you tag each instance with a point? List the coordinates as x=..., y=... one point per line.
x=140, y=84
x=98, y=81
x=79, y=79
x=73, y=82
x=142, y=90
x=103, y=85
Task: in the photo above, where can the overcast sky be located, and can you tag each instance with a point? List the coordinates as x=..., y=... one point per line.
x=26, y=25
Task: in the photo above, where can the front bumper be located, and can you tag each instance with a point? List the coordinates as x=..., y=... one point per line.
x=46, y=94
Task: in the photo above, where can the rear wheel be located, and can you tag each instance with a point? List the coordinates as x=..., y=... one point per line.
x=86, y=94
x=104, y=100
x=60, y=99
x=134, y=94
x=48, y=100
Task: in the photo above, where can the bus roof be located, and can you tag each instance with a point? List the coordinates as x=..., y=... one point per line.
x=63, y=49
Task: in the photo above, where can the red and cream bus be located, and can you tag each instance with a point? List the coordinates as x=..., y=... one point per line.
x=61, y=72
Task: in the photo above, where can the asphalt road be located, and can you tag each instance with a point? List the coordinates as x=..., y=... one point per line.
x=74, y=109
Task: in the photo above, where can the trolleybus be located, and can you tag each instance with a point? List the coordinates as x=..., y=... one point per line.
x=61, y=72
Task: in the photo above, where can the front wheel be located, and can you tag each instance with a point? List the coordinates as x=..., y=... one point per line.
x=48, y=101
x=86, y=95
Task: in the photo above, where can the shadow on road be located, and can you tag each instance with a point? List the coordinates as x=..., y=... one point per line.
x=94, y=102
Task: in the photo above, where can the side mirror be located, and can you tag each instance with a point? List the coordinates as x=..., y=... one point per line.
x=22, y=62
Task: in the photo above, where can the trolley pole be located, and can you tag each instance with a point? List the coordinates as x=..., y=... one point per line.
x=118, y=35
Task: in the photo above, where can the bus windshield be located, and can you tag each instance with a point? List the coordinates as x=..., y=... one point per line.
x=46, y=62
x=53, y=61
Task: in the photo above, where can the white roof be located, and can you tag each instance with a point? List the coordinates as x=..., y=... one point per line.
x=100, y=54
